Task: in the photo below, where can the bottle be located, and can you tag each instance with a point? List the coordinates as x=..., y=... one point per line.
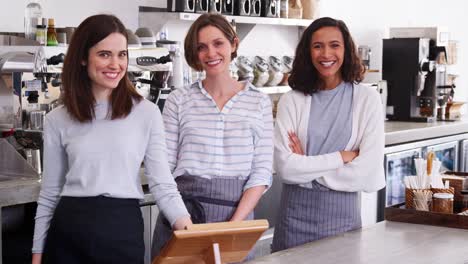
x=32, y=13
x=41, y=32
x=51, y=33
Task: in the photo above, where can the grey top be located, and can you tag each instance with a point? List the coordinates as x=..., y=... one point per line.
x=330, y=121
x=103, y=157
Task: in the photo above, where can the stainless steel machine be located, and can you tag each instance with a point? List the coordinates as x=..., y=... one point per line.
x=30, y=86
x=414, y=67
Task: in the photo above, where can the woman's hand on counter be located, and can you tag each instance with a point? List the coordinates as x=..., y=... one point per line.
x=181, y=223
x=295, y=143
x=348, y=156
x=36, y=258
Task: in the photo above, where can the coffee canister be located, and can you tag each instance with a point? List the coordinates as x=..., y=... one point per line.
x=256, y=8
x=242, y=8
x=227, y=7
x=181, y=6
x=215, y=6
x=271, y=8
x=202, y=6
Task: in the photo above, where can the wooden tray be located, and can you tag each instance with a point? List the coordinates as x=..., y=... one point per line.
x=194, y=245
x=399, y=213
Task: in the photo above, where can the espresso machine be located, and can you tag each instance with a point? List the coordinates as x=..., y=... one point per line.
x=149, y=70
x=409, y=66
x=29, y=87
x=408, y=99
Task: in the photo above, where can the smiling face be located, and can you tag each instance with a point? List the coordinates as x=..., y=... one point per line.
x=214, y=51
x=327, y=54
x=107, y=64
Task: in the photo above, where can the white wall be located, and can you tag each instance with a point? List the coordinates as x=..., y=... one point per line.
x=68, y=13
x=369, y=20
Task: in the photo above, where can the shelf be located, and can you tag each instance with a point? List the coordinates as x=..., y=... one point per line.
x=274, y=89
x=244, y=23
x=252, y=20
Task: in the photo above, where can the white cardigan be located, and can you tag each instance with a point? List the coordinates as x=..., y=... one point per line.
x=364, y=173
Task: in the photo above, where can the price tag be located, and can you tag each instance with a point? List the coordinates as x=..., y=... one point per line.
x=33, y=85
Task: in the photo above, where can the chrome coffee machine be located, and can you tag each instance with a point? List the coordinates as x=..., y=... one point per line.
x=409, y=67
x=29, y=86
x=149, y=71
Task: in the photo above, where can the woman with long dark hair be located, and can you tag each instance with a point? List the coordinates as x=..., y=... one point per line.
x=88, y=207
x=329, y=138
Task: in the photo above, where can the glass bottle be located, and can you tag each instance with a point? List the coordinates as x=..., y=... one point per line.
x=32, y=13
x=41, y=32
x=51, y=33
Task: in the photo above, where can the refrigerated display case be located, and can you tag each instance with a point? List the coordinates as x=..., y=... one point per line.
x=452, y=151
x=397, y=166
x=447, y=153
x=463, y=164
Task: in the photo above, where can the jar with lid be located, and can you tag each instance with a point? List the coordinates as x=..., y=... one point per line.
x=32, y=13
x=233, y=70
x=260, y=72
x=245, y=67
x=287, y=67
x=276, y=73
x=442, y=203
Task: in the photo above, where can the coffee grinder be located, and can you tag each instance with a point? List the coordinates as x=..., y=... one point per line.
x=409, y=67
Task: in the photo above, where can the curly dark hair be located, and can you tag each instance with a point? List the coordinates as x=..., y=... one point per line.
x=304, y=77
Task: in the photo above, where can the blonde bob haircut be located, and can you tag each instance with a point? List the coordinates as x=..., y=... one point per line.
x=191, y=39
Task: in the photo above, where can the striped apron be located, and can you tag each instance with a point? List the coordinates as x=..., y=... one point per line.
x=307, y=214
x=221, y=192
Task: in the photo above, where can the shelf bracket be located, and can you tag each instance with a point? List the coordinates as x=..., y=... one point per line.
x=243, y=29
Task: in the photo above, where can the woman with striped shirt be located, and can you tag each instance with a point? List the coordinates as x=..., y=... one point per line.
x=219, y=131
x=329, y=138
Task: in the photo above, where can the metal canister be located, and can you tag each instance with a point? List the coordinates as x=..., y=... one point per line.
x=36, y=119
x=33, y=157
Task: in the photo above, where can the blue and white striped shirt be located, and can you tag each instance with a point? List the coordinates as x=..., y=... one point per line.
x=206, y=142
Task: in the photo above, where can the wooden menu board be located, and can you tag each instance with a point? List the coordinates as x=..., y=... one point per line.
x=222, y=242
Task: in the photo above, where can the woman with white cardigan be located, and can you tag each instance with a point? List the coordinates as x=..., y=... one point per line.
x=329, y=138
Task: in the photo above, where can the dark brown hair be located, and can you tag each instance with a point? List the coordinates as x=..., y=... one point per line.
x=191, y=39
x=304, y=77
x=77, y=95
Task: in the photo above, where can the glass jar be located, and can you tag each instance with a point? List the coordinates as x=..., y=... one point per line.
x=32, y=13
x=276, y=73
x=246, y=69
x=260, y=72
x=442, y=203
